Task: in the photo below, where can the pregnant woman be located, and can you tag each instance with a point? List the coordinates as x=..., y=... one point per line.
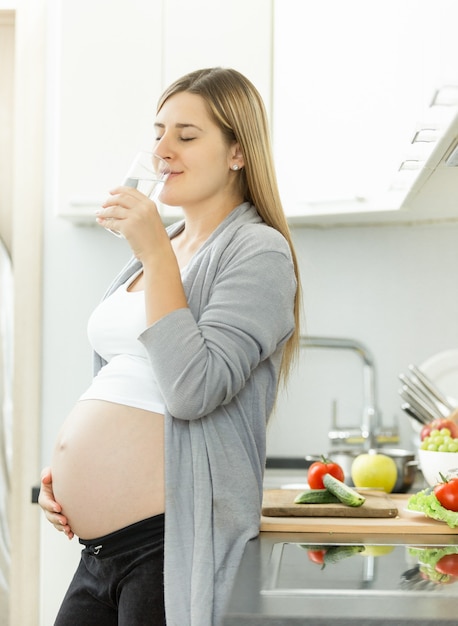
x=158, y=469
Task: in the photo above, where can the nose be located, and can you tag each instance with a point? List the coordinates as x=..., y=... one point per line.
x=162, y=147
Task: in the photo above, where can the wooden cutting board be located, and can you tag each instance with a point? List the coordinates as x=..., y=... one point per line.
x=405, y=523
x=280, y=503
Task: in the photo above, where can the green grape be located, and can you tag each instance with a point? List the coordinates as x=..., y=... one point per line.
x=440, y=441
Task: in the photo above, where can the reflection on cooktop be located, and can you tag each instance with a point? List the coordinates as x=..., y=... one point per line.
x=355, y=569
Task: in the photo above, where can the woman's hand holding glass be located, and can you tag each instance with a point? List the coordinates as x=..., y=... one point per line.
x=144, y=180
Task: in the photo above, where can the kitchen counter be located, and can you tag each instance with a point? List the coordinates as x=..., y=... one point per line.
x=406, y=522
x=278, y=584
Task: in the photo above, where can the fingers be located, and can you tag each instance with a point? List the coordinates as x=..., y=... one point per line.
x=114, y=210
x=111, y=224
x=46, y=476
x=122, y=201
x=46, y=496
x=127, y=212
x=52, y=511
x=46, y=500
x=51, y=508
x=59, y=522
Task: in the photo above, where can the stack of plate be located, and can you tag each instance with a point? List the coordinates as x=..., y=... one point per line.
x=441, y=371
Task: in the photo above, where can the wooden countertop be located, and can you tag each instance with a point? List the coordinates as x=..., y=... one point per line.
x=406, y=522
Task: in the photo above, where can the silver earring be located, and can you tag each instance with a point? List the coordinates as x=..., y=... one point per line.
x=235, y=167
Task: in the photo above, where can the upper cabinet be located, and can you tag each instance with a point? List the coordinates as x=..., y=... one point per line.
x=104, y=75
x=362, y=97
x=108, y=64
x=207, y=33
x=365, y=101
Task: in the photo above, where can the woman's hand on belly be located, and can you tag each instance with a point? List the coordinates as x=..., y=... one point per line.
x=51, y=508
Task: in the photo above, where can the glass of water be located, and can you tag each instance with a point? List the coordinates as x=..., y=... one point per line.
x=147, y=173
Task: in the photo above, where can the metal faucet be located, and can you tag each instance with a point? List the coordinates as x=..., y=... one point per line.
x=370, y=415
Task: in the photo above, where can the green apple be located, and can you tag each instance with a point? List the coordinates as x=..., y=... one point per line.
x=377, y=550
x=374, y=470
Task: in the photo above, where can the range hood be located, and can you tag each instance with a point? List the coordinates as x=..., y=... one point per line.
x=434, y=187
x=425, y=187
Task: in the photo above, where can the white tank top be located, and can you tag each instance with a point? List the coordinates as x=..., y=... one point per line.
x=113, y=331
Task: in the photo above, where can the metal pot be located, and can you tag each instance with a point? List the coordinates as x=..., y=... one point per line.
x=406, y=464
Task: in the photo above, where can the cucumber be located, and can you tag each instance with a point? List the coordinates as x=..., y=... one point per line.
x=337, y=553
x=316, y=496
x=346, y=494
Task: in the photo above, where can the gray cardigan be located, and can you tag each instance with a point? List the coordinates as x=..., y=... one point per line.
x=217, y=365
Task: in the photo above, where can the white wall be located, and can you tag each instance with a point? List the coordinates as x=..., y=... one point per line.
x=394, y=289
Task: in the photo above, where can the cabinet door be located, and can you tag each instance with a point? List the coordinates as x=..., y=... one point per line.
x=234, y=34
x=352, y=80
x=104, y=80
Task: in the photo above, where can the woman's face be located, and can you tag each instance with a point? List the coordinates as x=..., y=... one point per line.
x=199, y=157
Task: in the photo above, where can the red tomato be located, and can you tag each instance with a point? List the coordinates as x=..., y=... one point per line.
x=316, y=556
x=448, y=564
x=447, y=494
x=425, y=431
x=319, y=468
x=439, y=424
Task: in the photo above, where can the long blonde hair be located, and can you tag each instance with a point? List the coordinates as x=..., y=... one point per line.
x=238, y=109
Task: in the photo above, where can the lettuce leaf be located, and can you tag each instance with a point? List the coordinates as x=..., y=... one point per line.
x=426, y=502
x=428, y=558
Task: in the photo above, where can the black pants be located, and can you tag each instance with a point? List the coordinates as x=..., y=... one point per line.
x=119, y=580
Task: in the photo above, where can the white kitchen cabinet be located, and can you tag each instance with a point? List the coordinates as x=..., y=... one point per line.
x=104, y=78
x=110, y=62
x=352, y=85
x=205, y=33
x=347, y=86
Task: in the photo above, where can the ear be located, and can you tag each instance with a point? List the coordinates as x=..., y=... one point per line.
x=236, y=157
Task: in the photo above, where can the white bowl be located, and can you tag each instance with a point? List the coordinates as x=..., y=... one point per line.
x=434, y=463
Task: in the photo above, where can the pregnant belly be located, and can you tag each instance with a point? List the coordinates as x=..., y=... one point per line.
x=108, y=467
